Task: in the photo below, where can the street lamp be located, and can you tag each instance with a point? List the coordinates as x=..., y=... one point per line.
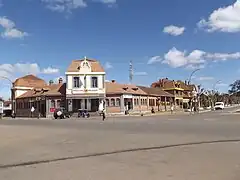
x=189, y=82
x=190, y=77
x=12, y=91
x=214, y=91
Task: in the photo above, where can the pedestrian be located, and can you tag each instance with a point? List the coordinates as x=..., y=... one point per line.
x=103, y=115
x=171, y=109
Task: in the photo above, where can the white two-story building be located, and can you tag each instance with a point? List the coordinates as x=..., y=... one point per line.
x=85, y=87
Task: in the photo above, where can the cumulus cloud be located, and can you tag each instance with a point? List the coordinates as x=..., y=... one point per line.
x=70, y=5
x=174, y=30
x=64, y=5
x=13, y=70
x=195, y=59
x=108, y=65
x=154, y=59
x=50, y=70
x=10, y=30
x=224, y=19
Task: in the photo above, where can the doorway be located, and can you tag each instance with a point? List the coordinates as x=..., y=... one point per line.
x=94, y=105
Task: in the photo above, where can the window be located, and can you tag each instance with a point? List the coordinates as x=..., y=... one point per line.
x=58, y=103
x=107, y=102
x=135, y=102
x=118, y=102
x=151, y=102
x=76, y=82
x=112, y=102
x=94, y=82
x=52, y=104
x=141, y=101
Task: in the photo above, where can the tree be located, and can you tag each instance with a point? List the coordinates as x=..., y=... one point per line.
x=235, y=88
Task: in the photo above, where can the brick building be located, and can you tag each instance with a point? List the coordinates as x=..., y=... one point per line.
x=44, y=99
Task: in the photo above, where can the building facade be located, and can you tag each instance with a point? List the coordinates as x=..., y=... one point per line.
x=135, y=99
x=44, y=100
x=183, y=93
x=85, y=85
x=24, y=84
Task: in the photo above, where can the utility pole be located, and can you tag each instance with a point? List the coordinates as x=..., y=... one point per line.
x=130, y=72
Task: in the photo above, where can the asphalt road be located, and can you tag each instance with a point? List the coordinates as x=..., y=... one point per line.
x=179, y=146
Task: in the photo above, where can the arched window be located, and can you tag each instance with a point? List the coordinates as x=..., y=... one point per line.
x=52, y=103
x=58, y=103
x=107, y=102
x=112, y=102
x=137, y=102
x=118, y=102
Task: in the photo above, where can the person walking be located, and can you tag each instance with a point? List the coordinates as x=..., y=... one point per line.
x=171, y=109
x=103, y=114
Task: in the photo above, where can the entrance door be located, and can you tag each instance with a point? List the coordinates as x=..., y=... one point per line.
x=94, y=105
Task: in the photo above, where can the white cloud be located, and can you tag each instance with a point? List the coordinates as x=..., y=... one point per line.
x=175, y=58
x=14, y=70
x=64, y=5
x=50, y=70
x=195, y=59
x=174, y=30
x=108, y=65
x=154, y=59
x=140, y=74
x=10, y=30
x=206, y=78
x=224, y=19
x=14, y=33
x=6, y=23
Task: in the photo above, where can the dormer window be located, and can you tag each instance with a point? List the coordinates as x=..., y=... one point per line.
x=125, y=88
x=135, y=89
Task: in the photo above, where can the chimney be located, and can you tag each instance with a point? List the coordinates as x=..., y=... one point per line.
x=113, y=81
x=60, y=80
x=51, y=82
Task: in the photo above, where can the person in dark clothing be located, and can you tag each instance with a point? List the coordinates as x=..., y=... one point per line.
x=103, y=115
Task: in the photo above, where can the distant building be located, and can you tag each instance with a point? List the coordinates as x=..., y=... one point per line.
x=122, y=97
x=45, y=99
x=23, y=85
x=85, y=85
x=181, y=91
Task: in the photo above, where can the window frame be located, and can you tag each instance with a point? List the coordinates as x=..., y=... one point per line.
x=114, y=102
x=94, y=85
x=77, y=82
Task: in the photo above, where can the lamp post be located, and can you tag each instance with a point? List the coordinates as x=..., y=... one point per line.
x=189, y=82
x=12, y=91
x=190, y=77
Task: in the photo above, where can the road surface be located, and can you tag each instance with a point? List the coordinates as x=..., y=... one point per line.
x=180, y=146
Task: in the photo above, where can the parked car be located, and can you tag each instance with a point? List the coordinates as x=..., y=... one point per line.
x=219, y=106
x=61, y=113
x=83, y=113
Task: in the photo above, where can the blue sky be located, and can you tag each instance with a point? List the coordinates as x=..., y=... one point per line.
x=162, y=39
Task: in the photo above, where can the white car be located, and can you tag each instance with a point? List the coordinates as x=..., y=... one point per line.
x=219, y=105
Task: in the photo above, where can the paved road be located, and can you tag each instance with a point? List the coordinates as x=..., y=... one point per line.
x=201, y=146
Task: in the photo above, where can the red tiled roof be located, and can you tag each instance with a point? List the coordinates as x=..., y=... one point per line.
x=30, y=81
x=49, y=90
